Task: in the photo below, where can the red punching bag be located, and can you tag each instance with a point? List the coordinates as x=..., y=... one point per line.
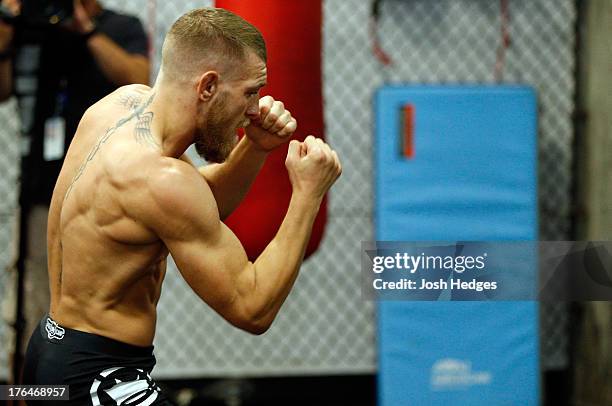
x=292, y=31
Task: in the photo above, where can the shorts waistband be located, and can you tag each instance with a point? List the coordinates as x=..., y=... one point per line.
x=58, y=334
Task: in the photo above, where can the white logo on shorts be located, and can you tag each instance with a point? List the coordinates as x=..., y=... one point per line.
x=53, y=330
x=121, y=386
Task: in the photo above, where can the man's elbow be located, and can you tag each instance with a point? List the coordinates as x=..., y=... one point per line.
x=141, y=78
x=136, y=72
x=4, y=96
x=257, y=329
x=254, y=326
x=136, y=77
x=140, y=71
x=252, y=321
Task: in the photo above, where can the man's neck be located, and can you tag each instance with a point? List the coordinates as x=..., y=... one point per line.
x=173, y=120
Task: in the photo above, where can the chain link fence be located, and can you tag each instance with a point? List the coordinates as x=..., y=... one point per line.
x=325, y=326
x=456, y=42
x=9, y=168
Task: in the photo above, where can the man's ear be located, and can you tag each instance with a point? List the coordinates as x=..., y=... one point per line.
x=208, y=85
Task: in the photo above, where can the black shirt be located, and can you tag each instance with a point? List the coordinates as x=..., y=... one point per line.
x=56, y=75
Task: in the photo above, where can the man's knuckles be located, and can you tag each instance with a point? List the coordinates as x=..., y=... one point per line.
x=266, y=101
x=323, y=158
x=271, y=118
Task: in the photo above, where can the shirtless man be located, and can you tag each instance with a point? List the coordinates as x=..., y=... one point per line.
x=127, y=197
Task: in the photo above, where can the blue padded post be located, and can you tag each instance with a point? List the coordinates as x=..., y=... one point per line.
x=468, y=174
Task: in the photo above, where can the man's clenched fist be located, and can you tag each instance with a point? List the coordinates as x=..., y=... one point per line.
x=313, y=166
x=274, y=125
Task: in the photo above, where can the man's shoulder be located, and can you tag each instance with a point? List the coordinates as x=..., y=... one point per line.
x=172, y=180
x=135, y=88
x=174, y=194
x=123, y=99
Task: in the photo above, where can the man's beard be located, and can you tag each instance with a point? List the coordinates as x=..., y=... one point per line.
x=216, y=139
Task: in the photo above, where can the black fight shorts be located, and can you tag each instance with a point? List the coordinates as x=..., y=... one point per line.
x=97, y=370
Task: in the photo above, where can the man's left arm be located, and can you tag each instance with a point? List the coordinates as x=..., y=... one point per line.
x=120, y=66
x=231, y=180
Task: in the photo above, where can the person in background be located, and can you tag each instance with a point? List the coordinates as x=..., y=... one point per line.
x=56, y=72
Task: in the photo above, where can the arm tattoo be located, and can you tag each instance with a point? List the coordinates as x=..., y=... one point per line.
x=136, y=113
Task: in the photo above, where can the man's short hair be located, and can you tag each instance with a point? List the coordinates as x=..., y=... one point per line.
x=208, y=35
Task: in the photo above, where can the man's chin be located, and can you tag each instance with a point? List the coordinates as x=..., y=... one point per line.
x=214, y=159
x=219, y=153
x=217, y=157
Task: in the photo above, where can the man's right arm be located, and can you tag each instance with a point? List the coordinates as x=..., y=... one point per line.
x=6, y=79
x=6, y=70
x=6, y=39
x=210, y=257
